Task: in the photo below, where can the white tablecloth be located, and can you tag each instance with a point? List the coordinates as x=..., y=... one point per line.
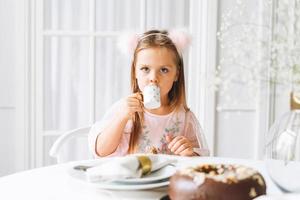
x=53, y=182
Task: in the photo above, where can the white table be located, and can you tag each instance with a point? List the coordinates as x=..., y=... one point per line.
x=54, y=183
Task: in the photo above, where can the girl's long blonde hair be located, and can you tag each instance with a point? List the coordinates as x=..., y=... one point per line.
x=152, y=39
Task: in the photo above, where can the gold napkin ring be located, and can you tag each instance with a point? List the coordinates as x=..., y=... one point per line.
x=145, y=164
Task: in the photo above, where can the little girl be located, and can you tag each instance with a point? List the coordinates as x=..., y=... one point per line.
x=128, y=127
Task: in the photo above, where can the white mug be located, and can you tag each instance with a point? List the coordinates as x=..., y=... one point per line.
x=151, y=95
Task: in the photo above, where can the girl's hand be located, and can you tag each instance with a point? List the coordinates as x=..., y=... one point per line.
x=180, y=145
x=133, y=103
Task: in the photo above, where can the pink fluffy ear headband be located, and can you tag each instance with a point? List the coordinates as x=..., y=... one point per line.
x=128, y=42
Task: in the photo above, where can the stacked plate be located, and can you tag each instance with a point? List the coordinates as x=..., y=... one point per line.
x=156, y=179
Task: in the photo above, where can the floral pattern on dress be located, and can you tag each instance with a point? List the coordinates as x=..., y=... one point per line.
x=174, y=131
x=164, y=146
x=145, y=143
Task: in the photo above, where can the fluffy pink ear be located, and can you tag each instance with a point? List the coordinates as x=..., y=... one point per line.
x=181, y=38
x=127, y=42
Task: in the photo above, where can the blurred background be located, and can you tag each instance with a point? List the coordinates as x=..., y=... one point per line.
x=60, y=69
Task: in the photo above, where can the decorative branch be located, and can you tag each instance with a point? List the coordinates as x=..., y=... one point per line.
x=253, y=53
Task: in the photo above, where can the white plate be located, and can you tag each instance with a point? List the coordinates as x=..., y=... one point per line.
x=80, y=176
x=158, y=175
x=157, y=179
x=119, y=186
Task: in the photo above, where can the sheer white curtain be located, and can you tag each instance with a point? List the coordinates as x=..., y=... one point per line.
x=66, y=83
x=69, y=52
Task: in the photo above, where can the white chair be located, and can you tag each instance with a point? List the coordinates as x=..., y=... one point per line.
x=71, y=145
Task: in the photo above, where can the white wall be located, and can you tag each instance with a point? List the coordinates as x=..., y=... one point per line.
x=7, y=87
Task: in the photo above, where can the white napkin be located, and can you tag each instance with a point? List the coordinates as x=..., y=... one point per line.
x=119, y=168
x=279, y=197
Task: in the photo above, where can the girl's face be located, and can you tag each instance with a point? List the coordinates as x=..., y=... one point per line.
x=156, y=66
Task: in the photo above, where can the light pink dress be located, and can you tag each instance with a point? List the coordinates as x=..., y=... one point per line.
x=154, y=132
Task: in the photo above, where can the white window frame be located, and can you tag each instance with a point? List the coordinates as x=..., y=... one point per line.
x=30, y=44
x=203, y=68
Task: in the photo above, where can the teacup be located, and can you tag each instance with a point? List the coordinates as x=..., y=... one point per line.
x=151, y=95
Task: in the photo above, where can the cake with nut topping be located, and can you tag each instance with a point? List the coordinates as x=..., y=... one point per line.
x=216, y=182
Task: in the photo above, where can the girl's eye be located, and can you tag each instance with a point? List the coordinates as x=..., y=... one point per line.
x=164, y=70
x=145, y=69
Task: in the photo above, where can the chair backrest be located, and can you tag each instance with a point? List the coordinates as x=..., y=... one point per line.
x=71, y=145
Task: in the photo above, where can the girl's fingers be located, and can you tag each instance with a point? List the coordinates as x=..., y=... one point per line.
x=136, y=97
x=174, y=141
x=178, y=144
x=139, y=96
x=136, y=109
x=133, y=99
x=133, y=102
x=181, y=148
x=187, y=152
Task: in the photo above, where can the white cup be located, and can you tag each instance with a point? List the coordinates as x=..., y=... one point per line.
x=151, y=96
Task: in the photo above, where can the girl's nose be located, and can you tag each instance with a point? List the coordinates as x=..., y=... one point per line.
x=153, y=78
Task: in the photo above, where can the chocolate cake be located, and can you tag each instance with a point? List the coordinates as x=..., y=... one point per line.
x=216, y=182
